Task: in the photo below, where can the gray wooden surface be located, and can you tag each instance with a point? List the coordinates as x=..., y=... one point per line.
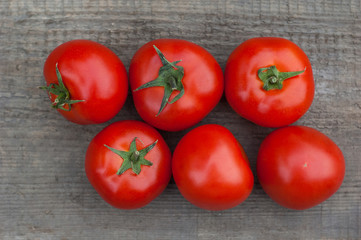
x=44, y=193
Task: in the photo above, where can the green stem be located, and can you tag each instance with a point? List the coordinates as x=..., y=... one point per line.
x=62, y=93
x=273, y=79
x=134, y=158
x=170, y=77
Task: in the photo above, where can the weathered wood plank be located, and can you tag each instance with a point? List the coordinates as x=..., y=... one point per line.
x=44, y=193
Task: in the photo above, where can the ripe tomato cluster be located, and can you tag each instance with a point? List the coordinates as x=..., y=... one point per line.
x=175, y=84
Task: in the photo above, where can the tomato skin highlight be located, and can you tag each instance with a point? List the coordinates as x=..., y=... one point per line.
x=203, y=84
x=299, y=167
x=93, y=73
x=211, y=169
x=128, y=190
x=244, y=89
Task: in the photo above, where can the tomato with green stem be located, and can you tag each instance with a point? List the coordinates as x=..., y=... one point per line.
x=175, y=83
x=87, y=83
x=269, y=81
x=129, y=164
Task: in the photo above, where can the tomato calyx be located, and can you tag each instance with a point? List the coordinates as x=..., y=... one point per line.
x=170, y=77
x=133, y=158
x=273, y=79
x=62, y=93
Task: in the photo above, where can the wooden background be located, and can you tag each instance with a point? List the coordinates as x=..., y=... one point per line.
x=44, y=193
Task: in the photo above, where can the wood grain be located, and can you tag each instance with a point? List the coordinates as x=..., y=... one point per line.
x=44, y=193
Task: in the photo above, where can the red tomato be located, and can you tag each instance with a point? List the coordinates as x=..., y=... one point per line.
x=129, y=164
x=90, y=73
x=211, y=168
x=300, y=167
x=283, y=96
x=184, y=92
